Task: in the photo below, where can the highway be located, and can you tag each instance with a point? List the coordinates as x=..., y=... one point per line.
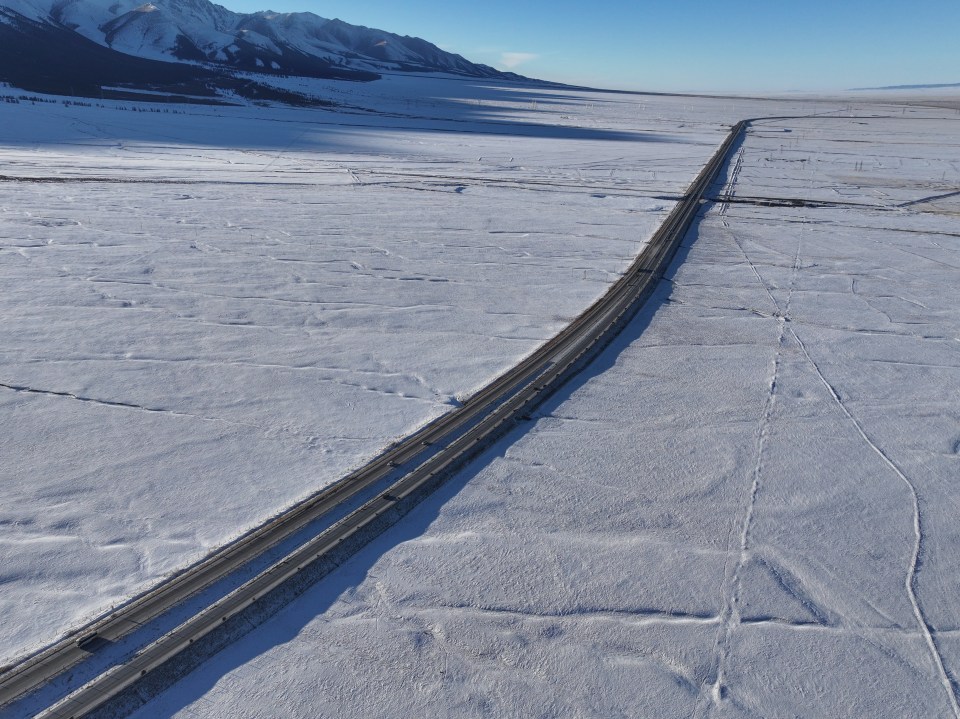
x=420, y=462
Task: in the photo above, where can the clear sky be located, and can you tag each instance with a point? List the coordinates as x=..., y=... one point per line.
x=739, y=45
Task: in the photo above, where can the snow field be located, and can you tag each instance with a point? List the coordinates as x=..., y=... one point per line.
x=745, y=508
x=212, y=313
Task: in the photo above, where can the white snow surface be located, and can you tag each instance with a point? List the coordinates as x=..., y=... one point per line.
x=211, y=313
x=746, y=508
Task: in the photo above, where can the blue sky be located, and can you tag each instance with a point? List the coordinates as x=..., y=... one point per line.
x=741, y=45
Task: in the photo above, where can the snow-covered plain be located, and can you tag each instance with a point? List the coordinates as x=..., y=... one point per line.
x=746, y=508
x=210, y=313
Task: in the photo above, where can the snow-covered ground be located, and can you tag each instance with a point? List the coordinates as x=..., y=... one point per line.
x=746, y=508
x=209, y=313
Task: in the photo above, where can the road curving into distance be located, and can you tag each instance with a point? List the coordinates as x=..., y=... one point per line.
x=417, y=464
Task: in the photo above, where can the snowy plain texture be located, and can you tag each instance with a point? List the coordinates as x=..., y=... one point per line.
x=210, y=313
x=746, y=508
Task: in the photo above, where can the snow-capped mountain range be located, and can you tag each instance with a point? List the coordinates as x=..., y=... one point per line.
x=201, y=33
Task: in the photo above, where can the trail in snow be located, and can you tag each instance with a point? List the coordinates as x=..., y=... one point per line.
x=730, y=615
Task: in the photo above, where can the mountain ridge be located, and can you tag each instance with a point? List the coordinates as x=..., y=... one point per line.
x=215, y=41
